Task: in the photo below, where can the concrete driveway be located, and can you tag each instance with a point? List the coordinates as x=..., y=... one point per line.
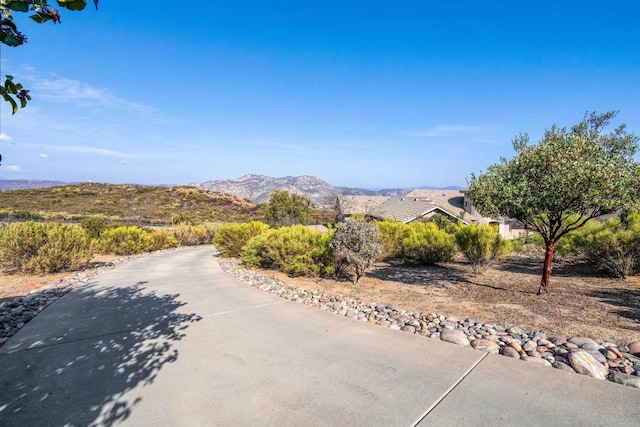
x=170, y=340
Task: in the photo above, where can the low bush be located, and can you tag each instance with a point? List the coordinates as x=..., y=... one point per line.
x=482, y=245
x=230, y=238
x=426, y=244
x=95, y=225
x=295, y=250
x=126, y=241
x=43, y=248
x=193, y=235
x=356, y=246
x=614, y=246
x=391, y=235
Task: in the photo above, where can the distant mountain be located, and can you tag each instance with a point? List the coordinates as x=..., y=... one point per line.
x=25, y=184
x=258, y=188
x=349, y=191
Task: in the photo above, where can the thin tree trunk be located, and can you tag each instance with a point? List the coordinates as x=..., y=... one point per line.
x=546, y=270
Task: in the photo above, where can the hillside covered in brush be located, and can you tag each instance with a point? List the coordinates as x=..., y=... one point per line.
x=135, y=203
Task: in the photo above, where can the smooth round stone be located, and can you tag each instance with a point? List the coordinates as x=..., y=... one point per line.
x=616, y=352
x=454, y=336
x=598, y=356
x=584, y=363
x=580, y=341
x=634, y=348
x=610, y=355
x=591, y=346
x=558, y=339
x=571, y=346
x=529, y=346
x=485, y=345
x=625, y=379
x=516, y=330
x=546, y=343
x=509, y=352
x=516, y=346
x=534, y=353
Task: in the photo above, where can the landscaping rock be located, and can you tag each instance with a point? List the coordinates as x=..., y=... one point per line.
x=454, y=336
x=634, y=348
x=583, y=363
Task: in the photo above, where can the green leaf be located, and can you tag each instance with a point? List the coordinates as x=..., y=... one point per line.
x=18, y=6
x=40, y=18
x=9, y=40
x=73, y=4
x=14, y=105
x=23, y=102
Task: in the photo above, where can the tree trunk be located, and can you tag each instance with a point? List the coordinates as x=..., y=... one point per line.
x=546, y=270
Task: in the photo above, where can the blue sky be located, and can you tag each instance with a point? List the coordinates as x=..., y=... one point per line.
x=360, y=93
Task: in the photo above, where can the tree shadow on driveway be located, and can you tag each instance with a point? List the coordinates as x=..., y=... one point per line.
x=79, y=362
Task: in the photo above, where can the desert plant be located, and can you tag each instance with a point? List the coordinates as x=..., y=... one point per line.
x=426, y=244
x=391, y=234
x=613, y=247
x=230, y=238
x=126, y=240
x=43, y=247
x=94, y=225
x=295, y=250
x=356, y=244
x=482, y=245
x=163, y=239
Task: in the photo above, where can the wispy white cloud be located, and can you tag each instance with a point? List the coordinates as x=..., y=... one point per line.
x=80, y=149
x=14, y=168
x=54, y=88
x=43, y=155
x=448, y=130
x=5, y=138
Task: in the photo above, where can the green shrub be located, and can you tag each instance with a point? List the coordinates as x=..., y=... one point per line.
x=126, y=240
x=295, y=250
x=163, y=239
x=193, y=235
x=43, y=247
x=391, y=235
x=613, y=247
x=95, y=225
x=426, y=244
x=230, y=238
x=482, y=245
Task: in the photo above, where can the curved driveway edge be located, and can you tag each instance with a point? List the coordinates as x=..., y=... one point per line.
x=172, y=340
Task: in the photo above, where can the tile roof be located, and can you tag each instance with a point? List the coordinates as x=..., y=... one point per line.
x=352, y=205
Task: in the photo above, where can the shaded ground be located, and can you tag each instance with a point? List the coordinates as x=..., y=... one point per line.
x=580, y=302
x=16, y=285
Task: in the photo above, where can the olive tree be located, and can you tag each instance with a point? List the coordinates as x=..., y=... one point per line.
x=41, y=12
x=355, y=243
x=556, y=186
x=286, y=209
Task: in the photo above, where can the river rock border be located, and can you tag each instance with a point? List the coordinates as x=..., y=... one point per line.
x=597, y=359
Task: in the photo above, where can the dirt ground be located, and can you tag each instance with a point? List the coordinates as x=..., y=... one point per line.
x=580, y=300
x=16, y=285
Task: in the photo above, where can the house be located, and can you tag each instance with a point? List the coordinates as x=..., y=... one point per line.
x=420, y=205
